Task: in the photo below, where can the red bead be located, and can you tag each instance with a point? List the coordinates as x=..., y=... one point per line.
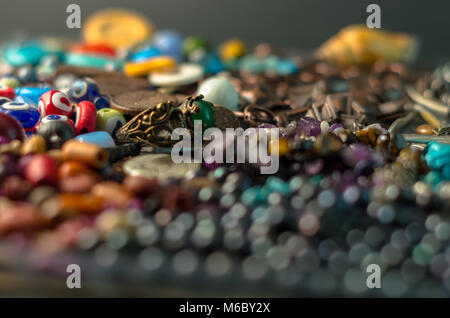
x=94, y=49
x=41, y=169
x=11, y=128
x=8, y=92
x=55, y=103
x=85, y=117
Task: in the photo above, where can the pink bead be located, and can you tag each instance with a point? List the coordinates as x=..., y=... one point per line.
x=41, y=169
x=85, y=117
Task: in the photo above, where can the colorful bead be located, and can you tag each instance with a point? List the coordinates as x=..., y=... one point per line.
x=160, y=63
x=85, y=117
x=206, y=114
x=101, y=102
x=11, y=128
x=41, y=169
x=425, y=130
x=113, y=193
x=26, y=74
x=195, y=48
x=232, y=50
x=26, y=114
x=279, y=147
x=33, y=145
x=109, y=120
x=10, y=81
x=55, y=103
x=99, y=138
x=56, y=129
x=83, y=89
x=212, y=64
x=32, y=93
x=87, y=153
x=185, y=74
x=6, y=91
x=84, y=60
x=170, y=43
x=73, y=168
x=28, y=52
x=144, y=54
x=220, y=91
x=80, y=203
x=94, y=49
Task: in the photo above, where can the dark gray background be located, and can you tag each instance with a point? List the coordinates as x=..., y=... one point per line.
x=296, y=24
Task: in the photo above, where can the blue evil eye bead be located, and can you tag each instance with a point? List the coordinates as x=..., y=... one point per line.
x=4, y=100
x=26, y=114
x=32, y=93
x=99, y=138
x=170, y=43
x=83, y=89
x=109, y=120
x=27, y=52
x=144, y=54
x=101, y=101
x=56, y=129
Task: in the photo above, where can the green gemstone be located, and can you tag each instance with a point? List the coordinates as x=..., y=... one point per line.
x=206, y=114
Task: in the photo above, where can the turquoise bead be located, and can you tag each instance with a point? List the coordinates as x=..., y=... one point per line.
x=277, y=185
x=219, y=91
x=99, y=138
x=144, y=54
x=445, y=174
x=252, y=65
x=437, y=155
x=84, y=60
x=29, y=52
x=433, y=178
x=212, y=64
x=253, y=196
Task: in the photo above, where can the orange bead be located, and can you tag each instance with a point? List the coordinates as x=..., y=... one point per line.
x=113, y=192
x=425, y=130
x=86, y=153
x=158, y=64
x=20, y=216
x=73, y=168
x=80, y=203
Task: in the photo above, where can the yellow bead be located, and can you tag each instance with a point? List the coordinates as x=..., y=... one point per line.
x=160, y=64
x=117, y=27
x=232, y=50
x=10, y=81
x=279, y=147
x=34, y=145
